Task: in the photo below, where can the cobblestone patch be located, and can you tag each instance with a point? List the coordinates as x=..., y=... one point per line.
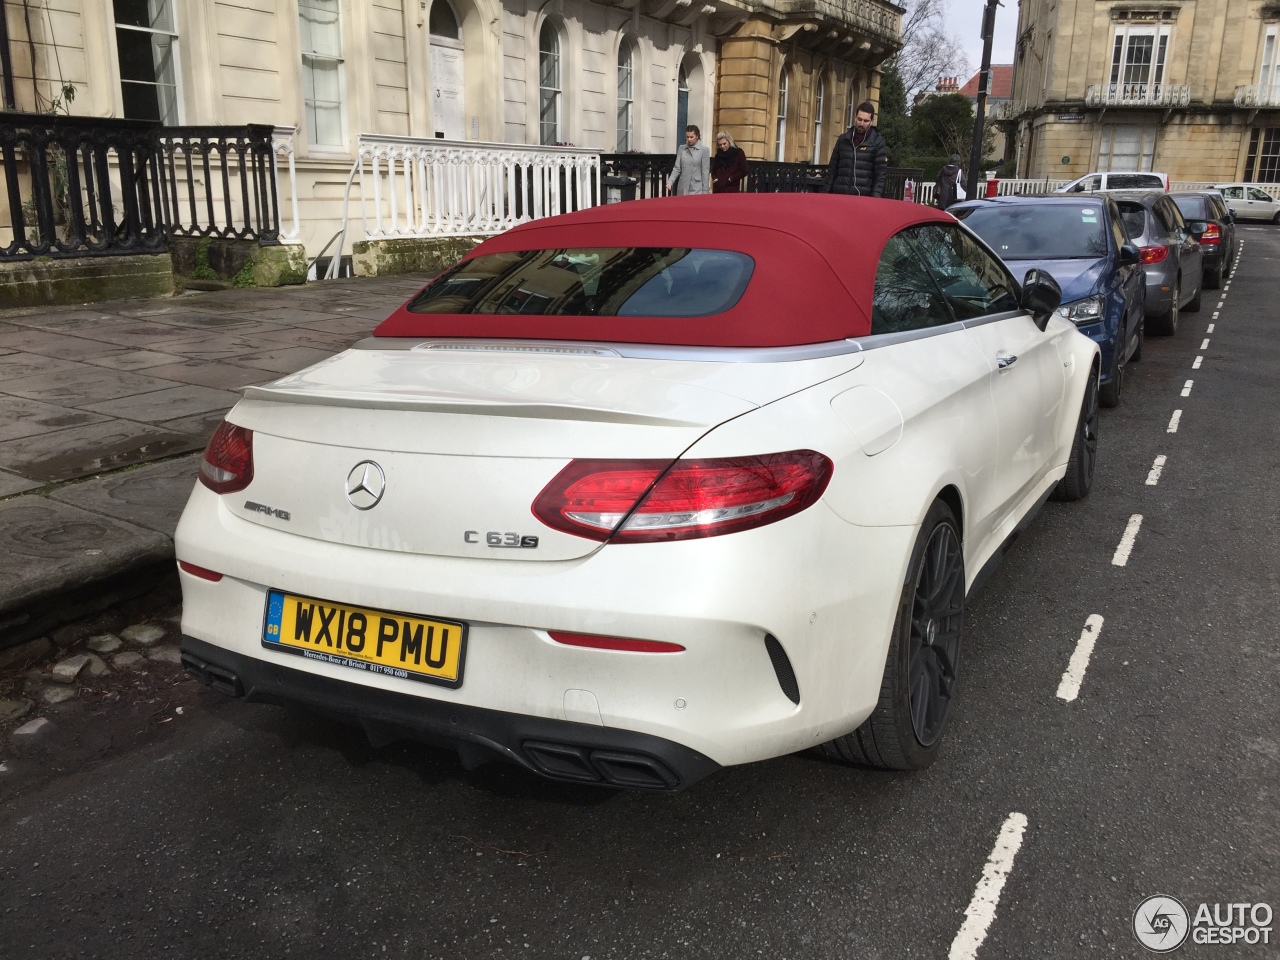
x=143, y=634
x=66, y=671
x=166, y=653
x=104, y=643
x=128, y=660
x=14, y=709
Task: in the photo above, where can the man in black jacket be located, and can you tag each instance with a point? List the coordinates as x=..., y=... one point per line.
x=859, y=158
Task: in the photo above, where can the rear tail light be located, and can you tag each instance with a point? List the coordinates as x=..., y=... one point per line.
x=228, y=459
x=613, y=643
x=646, y=501
x=1153, y=254
x=1211, y=236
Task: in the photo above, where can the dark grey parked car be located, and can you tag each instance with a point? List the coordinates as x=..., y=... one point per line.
x=1218, y=242
x=1170, y=255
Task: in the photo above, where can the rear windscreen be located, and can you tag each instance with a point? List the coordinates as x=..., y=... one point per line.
x=1134, y=181
x=595, y=281
x=1194, y=208
x=1040, y=231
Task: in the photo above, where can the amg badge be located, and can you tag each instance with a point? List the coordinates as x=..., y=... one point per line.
x=269, y=511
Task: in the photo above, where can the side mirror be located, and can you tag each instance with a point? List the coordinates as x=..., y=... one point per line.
x=1129, y=255
x=1041, y=295
x=1231, y=216
x=1197, y=228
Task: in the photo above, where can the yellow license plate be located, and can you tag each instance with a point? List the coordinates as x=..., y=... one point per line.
x=375, y=641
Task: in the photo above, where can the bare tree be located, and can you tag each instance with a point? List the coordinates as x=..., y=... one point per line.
x=929, y=48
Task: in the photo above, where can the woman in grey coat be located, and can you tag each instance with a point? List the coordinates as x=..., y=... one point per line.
x=692, y=172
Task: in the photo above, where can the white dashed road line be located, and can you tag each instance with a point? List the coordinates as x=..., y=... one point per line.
x=1173, y=421
x=1205, y=345
x=982, y=908
x=1069, y=688
x=1154, y=476
x=1195, y=364
x=1215, y=316
x=1121, y=556
x=1186, y=388
x=1209, y=329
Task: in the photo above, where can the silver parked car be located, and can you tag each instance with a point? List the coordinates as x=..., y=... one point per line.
x=1170, y=255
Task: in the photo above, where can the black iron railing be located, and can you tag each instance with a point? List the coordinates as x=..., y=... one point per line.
x=221, y=182
x=767, y=176
x=763, y=176
x=649, y=170
x=79, y=186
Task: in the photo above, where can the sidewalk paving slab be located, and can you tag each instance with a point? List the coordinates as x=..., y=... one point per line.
x=152, y=496
x=104, y=408
x=46, y=546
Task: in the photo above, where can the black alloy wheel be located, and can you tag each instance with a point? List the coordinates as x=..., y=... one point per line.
x=1078, y=480
x=905, y=730
x=937, y=624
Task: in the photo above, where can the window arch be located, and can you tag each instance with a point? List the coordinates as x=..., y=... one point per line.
x=819, y=115
x=682, y=104
x=444, y=22
x=784, y=91
x=626, y=95
x=549, y=84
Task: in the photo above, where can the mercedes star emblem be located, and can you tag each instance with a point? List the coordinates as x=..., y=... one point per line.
x=365, y=485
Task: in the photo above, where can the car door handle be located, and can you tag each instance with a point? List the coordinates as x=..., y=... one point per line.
x=1006, y=360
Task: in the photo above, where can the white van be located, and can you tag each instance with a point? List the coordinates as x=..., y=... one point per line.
x=1117, y=180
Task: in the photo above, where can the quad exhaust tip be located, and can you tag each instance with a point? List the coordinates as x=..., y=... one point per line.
x=563, y=761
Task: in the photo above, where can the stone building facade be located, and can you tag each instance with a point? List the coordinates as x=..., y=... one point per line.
x=1187, y=88
x=624, y=75
x=792, y=73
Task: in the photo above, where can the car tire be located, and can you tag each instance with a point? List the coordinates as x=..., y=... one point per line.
x=1078, y=480
x=1276, y=218
x=1193, y=306
x=1109, y=392
x=1167, y=325
x=905, y=730
x=1142, y=338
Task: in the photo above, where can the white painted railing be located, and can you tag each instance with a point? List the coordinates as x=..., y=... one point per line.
x=1137, y=95
x=1005, y=188
x=282, y=140
x=437, y=188
x=413, y=187
x=1256, y=95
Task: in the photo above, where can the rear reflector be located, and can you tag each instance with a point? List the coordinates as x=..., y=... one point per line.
x=200, y=572
x=613, y=643
x=647, y=501
x=1153, y=254
x=228, y=459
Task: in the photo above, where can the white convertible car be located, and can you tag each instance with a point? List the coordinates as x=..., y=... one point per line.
x=635, y=493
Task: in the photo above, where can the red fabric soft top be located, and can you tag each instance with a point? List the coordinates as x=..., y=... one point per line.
x=815, y=266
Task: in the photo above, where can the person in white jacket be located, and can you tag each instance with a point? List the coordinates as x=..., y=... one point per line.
x=692, y=171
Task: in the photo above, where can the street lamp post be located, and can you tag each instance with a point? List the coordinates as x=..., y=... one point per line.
x=984, y=80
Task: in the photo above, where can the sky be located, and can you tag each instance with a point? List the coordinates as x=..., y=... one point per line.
x=964, y=17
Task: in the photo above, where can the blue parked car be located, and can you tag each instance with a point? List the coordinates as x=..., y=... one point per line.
x=1081, y=242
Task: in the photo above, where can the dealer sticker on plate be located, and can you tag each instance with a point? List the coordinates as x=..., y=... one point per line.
x=388, y=644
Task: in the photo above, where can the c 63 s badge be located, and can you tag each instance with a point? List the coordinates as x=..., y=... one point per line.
x=498, y=540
